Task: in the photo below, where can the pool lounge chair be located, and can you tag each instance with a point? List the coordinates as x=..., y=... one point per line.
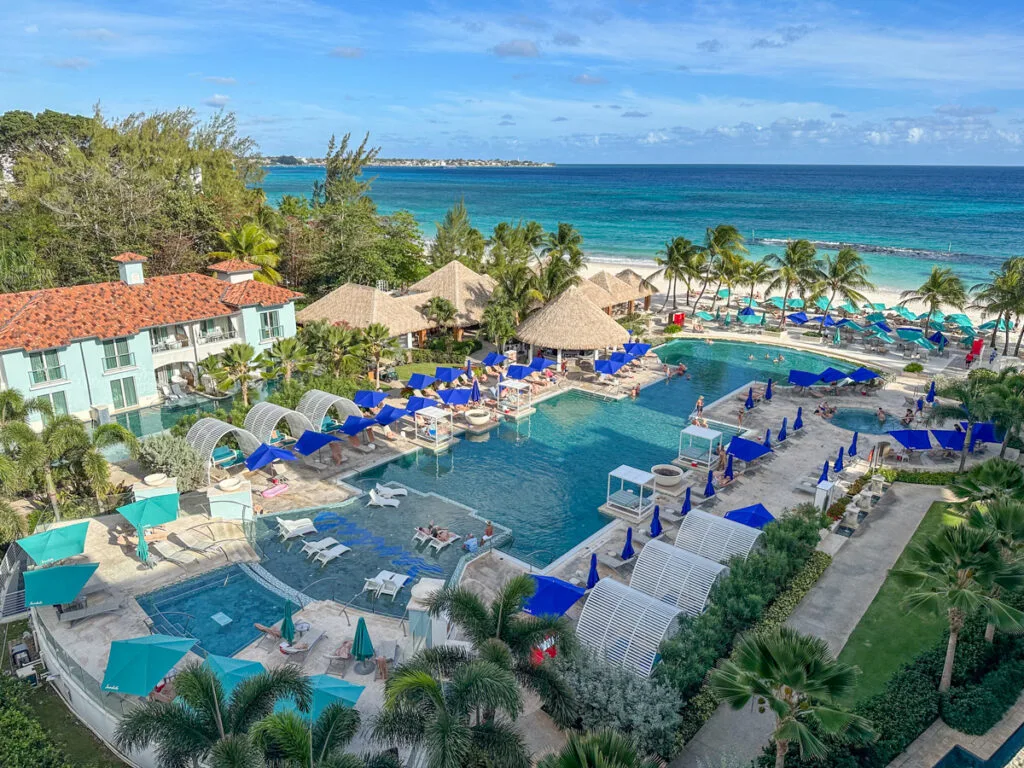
x=376, y=500
x=299, y=652
x=391, y=583
x=268, y=633
x=311, y=548
x=293, y=529
x=342, y=654
x=390, y=493
x=94, y=605
x=373, y=586
x=437, y=545
x=421, y=537
x=225, y=457
x=325, y=556
x=180, y=556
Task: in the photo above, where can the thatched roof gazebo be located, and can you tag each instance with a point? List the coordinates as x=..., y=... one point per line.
x=463, y=287
x=642, y=288
x=571, y=321
x=359, y=306
x=621, y=292
x=597, y=294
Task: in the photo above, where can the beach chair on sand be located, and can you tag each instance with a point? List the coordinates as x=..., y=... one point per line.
x=390, y=493
x=376, y=500
x=311, y=548
x=293, y=529
x=437, y=545
x=325, y=556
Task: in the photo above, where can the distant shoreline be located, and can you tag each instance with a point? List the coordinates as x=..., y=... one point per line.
x=416, y=163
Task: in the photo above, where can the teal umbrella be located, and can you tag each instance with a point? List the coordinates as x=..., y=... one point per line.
x=795, y=303
x=288, y=626
x=876, y=306
x=707, y=317
x=992, y=324
x=56, y=543
x=726, y=320
x=723, y=293
x=362, y=646
x=909, y=334
x=821, y=303
x=155, y=510
x=327, y=690
x=960, y=319
x=135, y=666
x=876, y=317
x=903, y=312
x=143, y=549
x=838, y=339
x=849, y=307
x=57, y=585
x=775, y=301
x=748, y=319
x=231, y=671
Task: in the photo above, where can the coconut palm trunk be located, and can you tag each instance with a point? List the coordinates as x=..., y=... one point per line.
x=956, y=625
x=51, y=492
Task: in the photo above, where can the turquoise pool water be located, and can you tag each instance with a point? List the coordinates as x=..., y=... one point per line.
x=186, y=609
x=865, y=420
x=546, y=478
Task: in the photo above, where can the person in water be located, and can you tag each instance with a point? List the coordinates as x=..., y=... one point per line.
x=882, y=416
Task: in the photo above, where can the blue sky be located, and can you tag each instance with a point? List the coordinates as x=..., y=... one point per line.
x=574, y=81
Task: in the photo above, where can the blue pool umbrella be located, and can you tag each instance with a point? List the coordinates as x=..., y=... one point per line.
x=56, y=543
x=621, y=357
x=768, y=390
x=853, y=444
x=520, y=371
x=592, y=577
x=155, y=510
x=389, y=414
x=709, y=489
x=750, y=399
x=916, y=439
x=419, y=403
x=553, y=597
x=606, y=366
x=838, y=466
x=687, y=505
x=540, y=363
x=920, y=404
x=755, y=516
x=803, y=378
x=231, y=671
x=420, y=381
x=474, y=392
x=728, y=468
x=883, y=326
x=656, y=523
x=367, y=398
x=832, y=375
x=637, y=349
x=824, y=473
x=862, y=374
x=983, y=432
x=746, y=450
x=447, y=375
x=798, y=317
x=355, y=424
x=930, y=397
x=767, y=438
x=311, y=442
x=57, y=585
x=267, y=454
x=627, y=551
x=135, y=666
x=949, y=439
x=455, y=396
x=782, y=432
x=747, y=311
x=798, y=422
x=938, y=338
x=493, y=358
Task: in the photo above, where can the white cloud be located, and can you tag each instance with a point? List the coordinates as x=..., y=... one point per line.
x=220, y=80
x=217, y=100
x=521, y=48
x=914, y=135
x=31, y=29
x=586, y=79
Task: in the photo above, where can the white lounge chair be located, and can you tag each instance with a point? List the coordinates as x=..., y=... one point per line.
x=302, y=648
x=421, y=537
x=438, y=545
x=376, y=500
x=292, y=529
x=327, y=555
x=374, y=586
x=311, y=548
x=390, y=493
x=167, y=550
x=391, y=583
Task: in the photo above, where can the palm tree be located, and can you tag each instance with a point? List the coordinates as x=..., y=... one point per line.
x=289, y=739
x=14, y=406
x=843, y=276
x=956, y=571
x=238, y=365
x=975, y=405
x=991, y=481
x=561, y=261
x=1003, y=520
x=499, y=324
x=442, y=312
x=757, y=273
x=724, y=250
x=598, y=749
x=338, y=350
x=378, y=342
x=288, y=356
x=942, y=288
x=512, y=244
x=457, y=709
x=1003, y=296
x=89, y=455
x=1007, y=405
x=203, y=725
x=504, y=622
x=251, y=243
x=516, y=286
x=795, y=271
x=566, y=243
x=795, y=677
x=12, y=525
x=680, y=259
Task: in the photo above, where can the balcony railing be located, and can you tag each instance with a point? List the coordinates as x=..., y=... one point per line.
x=273, y=332
x=171, y=342
x=217, y=335
x=43, y=375
x=122, y=360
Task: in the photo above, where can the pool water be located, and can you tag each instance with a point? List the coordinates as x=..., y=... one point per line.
x=865, y=420
x=545, y=478
x=185, y=609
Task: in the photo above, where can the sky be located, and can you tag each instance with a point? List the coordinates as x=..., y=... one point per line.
x=579, y=81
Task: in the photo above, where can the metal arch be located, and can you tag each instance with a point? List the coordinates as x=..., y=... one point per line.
x=264, y=417
x=715, y=537
x=316, y=403
x=204, y=435
x=675, y=576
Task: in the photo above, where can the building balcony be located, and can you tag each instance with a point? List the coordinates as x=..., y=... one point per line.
x=169, y=344
x=216, y=336
x=271, y=333
x=115, y=362
x=45, y=376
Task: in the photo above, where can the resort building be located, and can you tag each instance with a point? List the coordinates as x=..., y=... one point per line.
x=98, y=349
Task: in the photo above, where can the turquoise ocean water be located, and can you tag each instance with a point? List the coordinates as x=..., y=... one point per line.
x=903, y=219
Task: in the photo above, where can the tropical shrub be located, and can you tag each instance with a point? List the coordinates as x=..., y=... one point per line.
x=673, y=328
x=913, y=368
x=974, y=709
x=175, y=458
x=24, y=743
x=917, y=476
x=615, y=698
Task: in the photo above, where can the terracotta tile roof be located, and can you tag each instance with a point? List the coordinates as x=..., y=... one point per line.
x=234, y=265
x=129, y=258
x=36, y=320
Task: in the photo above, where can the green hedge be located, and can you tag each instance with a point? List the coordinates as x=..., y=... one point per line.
x=673, y=328
x=917, y=476
x=974, y=709
x=24, y=742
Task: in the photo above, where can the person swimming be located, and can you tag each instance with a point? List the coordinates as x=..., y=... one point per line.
x=882, y=416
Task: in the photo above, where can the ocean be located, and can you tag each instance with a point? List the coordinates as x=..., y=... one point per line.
x=903, y=219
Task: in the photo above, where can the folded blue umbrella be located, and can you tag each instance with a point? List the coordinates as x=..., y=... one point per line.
x=949, y=439
x=627, y=551
x=862, y=374
x=767, y=438
x=920, y=404
x=447, y=375
x=824, y=473
x=728, y=468
x=520, y=371
x=750, y=399
x=493, y=358
x=803, y=378
x=311, y=442
x=455, y=396
x=656, y=523
x=782, y=432
x=930, y=397
x=540, y=363
x=798, y=422
x=838, y=466
x=592, y=577
x=768, y=390
x=355, y=424
x=389, y=414
x=606, y=366
x=853, y=444
x=755, y=516
x=419, y=403
x=832, y=375
x=266, y=454
x=709, y=489
x=798, y=317
x=366, y=398
x=474, y=392
x=916, y=439
x=883, y=326
x=420, y=381
x=687, y=505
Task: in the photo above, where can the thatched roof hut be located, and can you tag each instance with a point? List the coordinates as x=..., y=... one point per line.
x=636, y=282
x=621, y=292
x=359, y=306
x=463, y=287
x=571, y=321
x=597, y=294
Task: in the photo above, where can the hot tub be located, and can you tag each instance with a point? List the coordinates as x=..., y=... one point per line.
x=667, y=475
x=477, y=417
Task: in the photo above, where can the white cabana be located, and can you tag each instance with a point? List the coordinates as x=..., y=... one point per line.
x=675, y=576
x=715, y=537
x=435, y=427
x=697, y=446
x=316, y=404
x=206, y=433
x=514, y=398
x=625, y=626
x=264, y=417
x=635, y=504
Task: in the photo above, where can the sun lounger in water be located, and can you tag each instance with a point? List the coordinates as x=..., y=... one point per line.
x=438, y=545
x=421, y=537
x=325, y=556
x=389, y=493
x=291, y=529
x=376, y=500
x=313, y=547
x=391, y=583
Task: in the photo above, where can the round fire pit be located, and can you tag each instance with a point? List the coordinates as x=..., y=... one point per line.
x=477, y=416
x=667, y=475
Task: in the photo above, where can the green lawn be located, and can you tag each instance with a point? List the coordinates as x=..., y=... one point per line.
x=405, y=371
x=888, y=636
x=82, y=748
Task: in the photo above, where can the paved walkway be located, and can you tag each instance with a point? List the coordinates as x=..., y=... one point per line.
x=831, y=610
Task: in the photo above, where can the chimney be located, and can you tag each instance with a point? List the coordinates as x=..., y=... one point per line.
x=234, y=270
x=129, y=266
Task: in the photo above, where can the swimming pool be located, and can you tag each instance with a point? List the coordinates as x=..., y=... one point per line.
x=865, y=420
x=545, y=478
x=187, y=609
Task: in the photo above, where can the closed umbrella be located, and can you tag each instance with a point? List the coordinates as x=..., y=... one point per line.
x=768, y=390
x=798, y=422
x=709, y=489
x=627, y=551
x=824, y=473
x=362, y=646
x=687, y=505
x=838, y=466
x=930, y=397
x=474, y=392
x=853, y=444
x=592, y=577
x=469, y=368
x=287, y=625
x=920, y=405
x=728, y=468
x=656, y=523
x=142, y=550
x=750, y=399
x=782, y=432
x=768, y=438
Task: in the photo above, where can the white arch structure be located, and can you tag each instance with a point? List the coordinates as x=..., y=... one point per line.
x=264, y=417
x=315, y=404
x=675, y=576
x=625, y=626
x=207, y=432
x=715, y=537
